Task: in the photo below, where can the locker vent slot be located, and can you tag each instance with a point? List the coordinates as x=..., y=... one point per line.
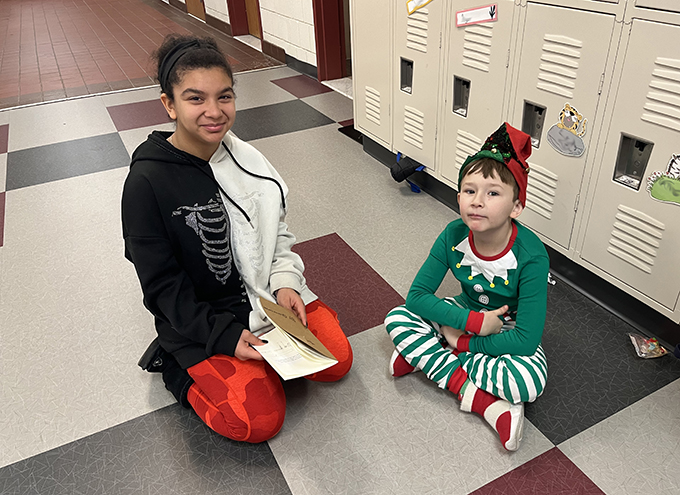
x=541, y=190
x=636, y=238
x=560, y=59
x=466, y=145
x=416, y=30
x=663, y=101
x=373, y=105
x=414, y=126
x=477, y=46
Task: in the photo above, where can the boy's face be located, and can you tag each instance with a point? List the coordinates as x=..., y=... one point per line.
x=487, y=204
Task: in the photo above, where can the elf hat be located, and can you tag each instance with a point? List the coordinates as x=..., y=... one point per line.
x=509, y=146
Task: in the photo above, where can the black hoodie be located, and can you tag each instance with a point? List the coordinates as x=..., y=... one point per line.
x=176, y=233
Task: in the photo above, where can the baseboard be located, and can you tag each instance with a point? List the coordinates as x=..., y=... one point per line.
x=219, y=24
x=179, y=5
x=274, y=51
x=300, y=66
x=646, y=320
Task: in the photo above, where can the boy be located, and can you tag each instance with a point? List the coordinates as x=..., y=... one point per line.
x=484, y=345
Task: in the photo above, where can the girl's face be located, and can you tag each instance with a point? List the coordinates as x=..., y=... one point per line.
x=204, y=110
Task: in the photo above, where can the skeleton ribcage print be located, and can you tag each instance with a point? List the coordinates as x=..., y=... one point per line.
x=211, y=224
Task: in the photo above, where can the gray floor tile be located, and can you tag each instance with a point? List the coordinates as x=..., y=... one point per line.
x=280, y=118
x=48, y=163
x=373, y=434
x=593, y=371
x=637, y=450
x=169, y=452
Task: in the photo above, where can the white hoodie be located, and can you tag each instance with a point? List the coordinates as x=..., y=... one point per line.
x=262, y=251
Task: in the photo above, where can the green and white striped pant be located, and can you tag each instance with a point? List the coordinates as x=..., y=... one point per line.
x=513, y=378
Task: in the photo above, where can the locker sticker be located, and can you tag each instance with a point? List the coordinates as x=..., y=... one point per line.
x=477, y=15
x=413, y=5
x=566, y=136
x=665, y=186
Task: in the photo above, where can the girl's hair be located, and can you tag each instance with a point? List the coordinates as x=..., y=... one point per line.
x=489, y=167
x=198, y=53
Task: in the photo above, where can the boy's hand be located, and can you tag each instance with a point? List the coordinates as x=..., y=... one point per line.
x=451, y=334
x=492, y=321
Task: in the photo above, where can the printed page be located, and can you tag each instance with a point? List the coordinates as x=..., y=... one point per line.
x=283, y=354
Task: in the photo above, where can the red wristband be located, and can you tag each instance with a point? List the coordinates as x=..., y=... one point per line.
x=463, y=343
x=474, y=322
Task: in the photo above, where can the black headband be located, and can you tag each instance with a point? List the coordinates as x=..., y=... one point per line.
x=171, y=59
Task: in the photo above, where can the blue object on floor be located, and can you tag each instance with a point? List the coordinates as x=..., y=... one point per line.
x=414, y=188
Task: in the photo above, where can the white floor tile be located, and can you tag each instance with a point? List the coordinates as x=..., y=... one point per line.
x=3, y=171
x=373, y=434
x=637, y=450
x=131, y=96
x=134, y=137
x=57, y=122
x=255, y=89
x=333, y=105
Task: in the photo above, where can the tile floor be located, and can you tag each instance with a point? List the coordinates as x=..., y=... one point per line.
x=50, y=50
x=79, y=417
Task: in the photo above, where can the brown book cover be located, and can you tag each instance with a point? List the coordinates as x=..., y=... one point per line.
x=288, y=321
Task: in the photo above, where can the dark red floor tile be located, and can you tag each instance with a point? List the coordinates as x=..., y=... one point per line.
x=136, y=115
x=4, y=138
x=344, y=281
x=550, y=473
x=345, y=123
x=302, y=86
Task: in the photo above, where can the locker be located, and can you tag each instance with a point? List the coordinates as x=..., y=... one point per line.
x=631, y=235
x=372, y=69
x=563, y=55
x=476, y=70
x=417, y=40
x=666, y=5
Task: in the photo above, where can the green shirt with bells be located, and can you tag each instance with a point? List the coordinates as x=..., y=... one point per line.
x=517, y=277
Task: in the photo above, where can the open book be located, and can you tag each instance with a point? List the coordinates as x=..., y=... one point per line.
x=292, y=349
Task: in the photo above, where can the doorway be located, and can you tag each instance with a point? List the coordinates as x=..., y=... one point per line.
x=196, y=8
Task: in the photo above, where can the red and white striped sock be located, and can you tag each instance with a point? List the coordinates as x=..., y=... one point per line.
x=506, y=418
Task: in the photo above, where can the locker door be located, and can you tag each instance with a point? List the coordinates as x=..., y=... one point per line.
x=372, y=72
x=563, y=56
x=629, y=234
x=416, y=63
x=475, y=84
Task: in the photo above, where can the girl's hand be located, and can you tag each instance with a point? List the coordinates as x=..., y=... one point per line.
x=451, y=335
x=290, y=299
x=492, y=321
x=244, y=351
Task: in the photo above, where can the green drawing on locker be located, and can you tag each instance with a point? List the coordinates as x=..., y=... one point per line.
x=665, y=186
x=566, y=136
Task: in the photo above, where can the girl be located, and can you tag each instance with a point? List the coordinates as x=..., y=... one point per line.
x=203, y=221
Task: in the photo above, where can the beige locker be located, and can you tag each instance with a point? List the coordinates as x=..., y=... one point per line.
x=476, y=70
x=563, y=55
x=417, y=40
x=666, y=5
x=372, y=69
x=630, y=235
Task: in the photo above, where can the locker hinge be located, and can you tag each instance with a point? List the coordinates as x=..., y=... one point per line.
x=578, y=198
x=440, y=40
x=599, y=88
x=507, y=60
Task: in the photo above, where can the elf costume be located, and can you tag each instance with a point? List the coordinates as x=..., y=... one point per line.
x=495, y=374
